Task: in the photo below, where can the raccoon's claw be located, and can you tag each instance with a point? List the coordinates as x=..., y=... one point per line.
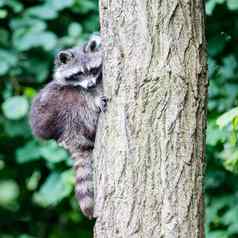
x=102, y=103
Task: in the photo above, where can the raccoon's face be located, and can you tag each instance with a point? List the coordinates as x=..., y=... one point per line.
x=80, y=66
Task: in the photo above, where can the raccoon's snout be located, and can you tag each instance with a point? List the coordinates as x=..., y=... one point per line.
x=91, y=84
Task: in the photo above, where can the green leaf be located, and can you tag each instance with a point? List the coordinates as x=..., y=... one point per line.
x=41, y=68
x=59, y=4
x=3, y=14
x=68, y=177
x=84, y=6
x=28, y=24
x=2, y=3
x=75, y=29
x=15, y=108
x=53, y=153
x=2, y=164
x=210, y=5
x=13, y=129
x=212, y=67
x=35, y=150
x=27, y=40
x=232, y=4
x=15, y=5
x=231, y=164
x=230, y=217
x=233, y=228
x=229, y=67
x=33, y=181
x=214, y=134
x=53, y=190
x=227, y=117
x=4, y=67
x=9, y=57
x=218, y=234
x=7, y=60
x=233, y=138
x=25, y=236
x=43, y=12
x=30, y=33
x=29, y=92
x=235, y=123
x=49, y=10
x=28, y=153
x=4, y=39
x=9, y=192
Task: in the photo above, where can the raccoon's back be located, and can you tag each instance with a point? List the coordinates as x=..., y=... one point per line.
x=44, y=115
x=62, y=111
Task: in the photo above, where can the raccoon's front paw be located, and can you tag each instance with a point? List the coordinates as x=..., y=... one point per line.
x=102, y=103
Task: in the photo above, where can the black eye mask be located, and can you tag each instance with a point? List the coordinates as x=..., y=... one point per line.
x=75, y=77
x=78, y=76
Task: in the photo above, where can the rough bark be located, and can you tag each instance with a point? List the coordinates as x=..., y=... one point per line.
x=149, y=154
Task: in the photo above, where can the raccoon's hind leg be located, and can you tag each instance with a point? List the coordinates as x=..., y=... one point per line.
x=84, y=181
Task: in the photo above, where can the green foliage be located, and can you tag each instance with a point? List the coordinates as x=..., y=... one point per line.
x=222, y=150
x=56, y=187
x=227, y=118
x=15, y=108
x=8, y=193
x=36, y=177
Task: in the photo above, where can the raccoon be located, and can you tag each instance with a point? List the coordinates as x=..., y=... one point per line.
x=67, y=110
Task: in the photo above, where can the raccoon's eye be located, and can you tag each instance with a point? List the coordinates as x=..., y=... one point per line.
x=80, y=73
x=94, y=71
x=65, y=56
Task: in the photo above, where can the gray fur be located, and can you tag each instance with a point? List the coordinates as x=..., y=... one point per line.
x=67, y=110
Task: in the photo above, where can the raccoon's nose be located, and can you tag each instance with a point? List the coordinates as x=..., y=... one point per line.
x=92, y=83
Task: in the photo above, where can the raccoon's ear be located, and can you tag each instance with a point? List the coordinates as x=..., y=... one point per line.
x=64, y=57
x=94, y=43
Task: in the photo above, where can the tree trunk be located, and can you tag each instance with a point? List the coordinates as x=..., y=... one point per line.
x=149, y=154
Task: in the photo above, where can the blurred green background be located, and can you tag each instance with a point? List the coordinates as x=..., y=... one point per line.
x=36, y=180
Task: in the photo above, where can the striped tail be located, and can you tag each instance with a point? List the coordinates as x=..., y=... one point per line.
x=84, y=181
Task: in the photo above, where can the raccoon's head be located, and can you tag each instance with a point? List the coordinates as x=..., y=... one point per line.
x=80, y=66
